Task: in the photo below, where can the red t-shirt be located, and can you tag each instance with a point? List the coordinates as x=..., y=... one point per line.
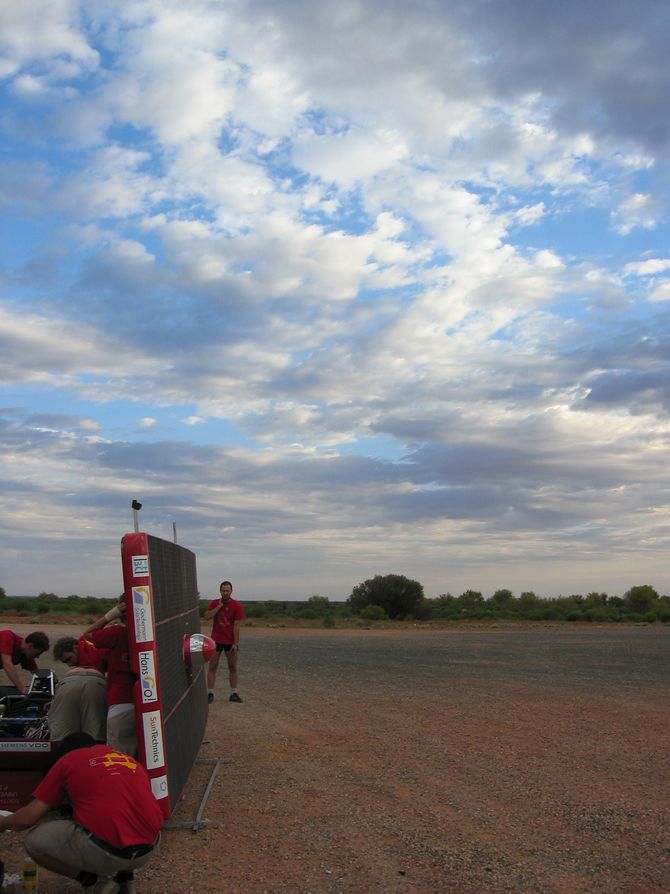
x=110, y=794
x=223, y=621
x=120, y=676
x=10, y=644
x=89, y=656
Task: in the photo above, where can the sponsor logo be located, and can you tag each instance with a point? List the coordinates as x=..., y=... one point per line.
x=114, y=759
x=24, y=746
x=140, y=566
x=148, y=677
x=142, y=614
x=159, y=786
x=153, y=740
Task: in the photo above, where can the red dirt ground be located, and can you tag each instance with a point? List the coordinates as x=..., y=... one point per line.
x=355, y=765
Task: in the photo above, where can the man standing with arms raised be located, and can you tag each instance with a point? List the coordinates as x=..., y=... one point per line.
x=227, y=614
x=121, y=732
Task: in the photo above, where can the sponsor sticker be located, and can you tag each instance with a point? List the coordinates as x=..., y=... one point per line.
x=18, y=745
x=153, y=740
x=142, y=614
x=140, y=566
x=148, y=677
x=159, y=786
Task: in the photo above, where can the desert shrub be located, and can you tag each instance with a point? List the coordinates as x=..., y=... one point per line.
x=395, y=594
x=306, y=614
x=373, y=613
x=641, y=599
x=256, y=610
x=319, y=604
x=597, y=614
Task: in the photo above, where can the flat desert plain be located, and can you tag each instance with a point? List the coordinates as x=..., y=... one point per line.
x=468, y=760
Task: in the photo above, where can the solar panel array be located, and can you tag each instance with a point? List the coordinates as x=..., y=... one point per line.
x=171, y=699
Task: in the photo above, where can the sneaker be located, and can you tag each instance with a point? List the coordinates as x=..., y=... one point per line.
x=104, y=885
x=126, y=881
x=210, y=697
x=234, y=697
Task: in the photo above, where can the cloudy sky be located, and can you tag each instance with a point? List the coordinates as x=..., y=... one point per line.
x=341, y=289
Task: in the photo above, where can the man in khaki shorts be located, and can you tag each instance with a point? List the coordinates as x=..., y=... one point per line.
x=116, y=820
x=80, y=703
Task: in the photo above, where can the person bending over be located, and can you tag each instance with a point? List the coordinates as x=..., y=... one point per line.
x=116, y=821
x=15, y=650
x=80, y=702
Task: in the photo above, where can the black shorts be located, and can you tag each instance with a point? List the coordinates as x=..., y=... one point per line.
x=224, y=647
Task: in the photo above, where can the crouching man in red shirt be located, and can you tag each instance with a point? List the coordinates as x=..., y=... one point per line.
x=116, y=819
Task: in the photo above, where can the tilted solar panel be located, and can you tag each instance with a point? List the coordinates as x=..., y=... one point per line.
x=161, y=594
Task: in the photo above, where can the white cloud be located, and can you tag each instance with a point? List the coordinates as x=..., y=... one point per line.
x=44, y=31
x=650, y=267
x=111, y=185
x=373, y=231
x=269, y=101
x=90, y=425
x=661, y=292
x=58, y=354
x=530, y=214
x=546, y=258
x=34, y=346
x=638, y=210
x=348, y=158
x=28, y=84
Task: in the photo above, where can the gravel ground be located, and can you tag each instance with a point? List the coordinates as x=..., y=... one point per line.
x=466, y=760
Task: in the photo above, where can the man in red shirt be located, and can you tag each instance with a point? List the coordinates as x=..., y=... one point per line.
x=227, y=614
x=116, y=820
x=80, y=703
x=121, y=679
x=15, y=650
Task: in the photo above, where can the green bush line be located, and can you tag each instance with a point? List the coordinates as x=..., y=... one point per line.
x=640, y=604
x=50, y=604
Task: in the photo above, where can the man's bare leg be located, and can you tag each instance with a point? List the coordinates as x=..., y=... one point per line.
x=231, y=657
x=211, y=674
